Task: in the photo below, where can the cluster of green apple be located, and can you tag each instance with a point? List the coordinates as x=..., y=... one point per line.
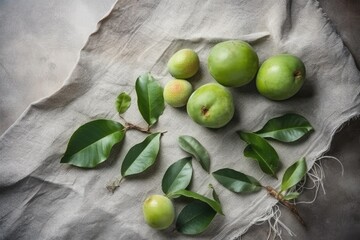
x=232, y=64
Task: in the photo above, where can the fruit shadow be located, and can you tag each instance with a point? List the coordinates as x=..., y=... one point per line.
x=306, y=91
x=194, y=80
x=248, y=89
x=233, y=124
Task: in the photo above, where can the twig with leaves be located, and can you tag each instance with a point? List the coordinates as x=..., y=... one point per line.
x=286, y=128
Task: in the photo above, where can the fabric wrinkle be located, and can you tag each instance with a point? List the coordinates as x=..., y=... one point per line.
x=54, y=200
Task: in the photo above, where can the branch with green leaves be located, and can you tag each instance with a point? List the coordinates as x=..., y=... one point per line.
x=239, y=182
x=92, y=143
x=287, y=129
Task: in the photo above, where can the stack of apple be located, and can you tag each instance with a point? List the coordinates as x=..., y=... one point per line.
x=232, y=64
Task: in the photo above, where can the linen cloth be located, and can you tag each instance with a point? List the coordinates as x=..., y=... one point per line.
x=43, y=199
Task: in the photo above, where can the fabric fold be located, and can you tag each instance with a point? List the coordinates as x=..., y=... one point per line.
x=140, y=36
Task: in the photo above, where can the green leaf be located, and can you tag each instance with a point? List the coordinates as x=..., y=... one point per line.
x=260, y=150
x=287, y=128
x=189, y=194
x=177, y=176
x=123, y=102
x=236, y=181
x=294, y=174
x=195, y=218
x=91, y=143
x=194, y=147
x=150, y=98
x=291, y=196
x=141, y=156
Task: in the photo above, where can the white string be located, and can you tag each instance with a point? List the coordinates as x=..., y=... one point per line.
x=274, y=227
x=333, y=158
x=317, y=176
x=272, y=217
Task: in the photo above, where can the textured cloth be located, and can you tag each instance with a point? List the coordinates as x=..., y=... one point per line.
x=43, y=199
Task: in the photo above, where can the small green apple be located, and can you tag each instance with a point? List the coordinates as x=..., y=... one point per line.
x=177, y=92
x=159, y=212
x=233, y=63
x=280, y=77
x=183, y=64
x=211, y=105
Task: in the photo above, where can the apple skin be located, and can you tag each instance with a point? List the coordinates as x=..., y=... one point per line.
x=159, y=212
x=211, y=105
x=177, y=92
x=183, y=64
x=280, y=77
x=233, y=63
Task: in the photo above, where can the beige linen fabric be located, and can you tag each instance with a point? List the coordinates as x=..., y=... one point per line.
x=43, y=199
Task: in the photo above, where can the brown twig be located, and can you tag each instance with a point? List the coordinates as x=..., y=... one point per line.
x=287, y=204
x=133, y=126
x=130, y=126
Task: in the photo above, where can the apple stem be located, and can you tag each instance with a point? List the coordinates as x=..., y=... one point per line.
x=112, y=186
x=297, y=74
x=277, y=195
x=204, y=110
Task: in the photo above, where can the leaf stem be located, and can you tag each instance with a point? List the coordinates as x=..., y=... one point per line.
x=277, y=195
x=112, y=186
x=130, y=126
x=135, y=127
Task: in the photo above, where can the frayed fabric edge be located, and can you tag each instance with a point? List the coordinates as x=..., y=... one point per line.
x=316, y=176
x=276, y=226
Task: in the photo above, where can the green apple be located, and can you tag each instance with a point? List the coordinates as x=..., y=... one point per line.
x=159, y=212
x=280, y=77
x=211, y=105
x=233, y=63
x=177, y=92
x=183, y=64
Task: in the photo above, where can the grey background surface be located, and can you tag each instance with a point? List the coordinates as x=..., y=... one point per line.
x=40, y=43
x=50, y=38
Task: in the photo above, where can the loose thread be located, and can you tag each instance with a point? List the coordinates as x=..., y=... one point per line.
x=317, y=176
x=274, y=226
x=272, y=217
